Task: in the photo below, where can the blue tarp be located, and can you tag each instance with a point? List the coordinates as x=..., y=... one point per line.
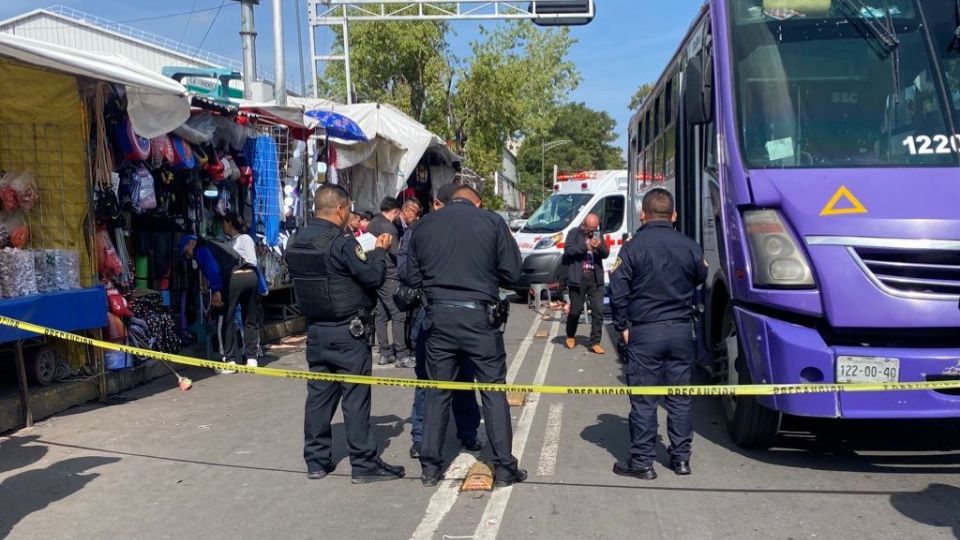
x=78, y=309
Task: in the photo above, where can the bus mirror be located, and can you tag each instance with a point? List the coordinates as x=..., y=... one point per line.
x=698, y=90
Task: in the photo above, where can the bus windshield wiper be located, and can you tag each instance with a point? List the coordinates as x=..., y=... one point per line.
x=862, y=15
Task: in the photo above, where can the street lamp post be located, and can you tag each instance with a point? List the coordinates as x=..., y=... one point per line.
x=543, y=153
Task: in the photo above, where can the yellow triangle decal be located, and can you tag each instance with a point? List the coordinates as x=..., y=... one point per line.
x=843, y=194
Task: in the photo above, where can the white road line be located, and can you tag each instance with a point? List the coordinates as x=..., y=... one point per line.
x=497, y=505
x=444, y=498
x=551, y=441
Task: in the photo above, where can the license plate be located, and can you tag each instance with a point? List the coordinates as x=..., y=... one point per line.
x=867, y=369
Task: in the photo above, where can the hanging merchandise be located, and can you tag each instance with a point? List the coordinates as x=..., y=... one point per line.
x=332, y=172
x=16, y=223
x=133, y=146
x=183, y=154
x=230, y=134
x=25, y=187
x=7, y=194
x=244, y=170
x=223, y=203
x=161, y=150
x=108, y=262
x=108, y=206
x=118, y=303
x=143, y=193
x=198, y=130
x=212, y=165
x=230, y=169
x=266, y=202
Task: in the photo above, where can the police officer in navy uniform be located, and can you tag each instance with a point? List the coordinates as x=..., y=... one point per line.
x=459, y=257
x=652, y=286
x=336, y=285
x=466, y=412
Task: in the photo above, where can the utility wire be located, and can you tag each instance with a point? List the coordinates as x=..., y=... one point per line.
x=169, y=15
x=209, y=28
x=189, y=18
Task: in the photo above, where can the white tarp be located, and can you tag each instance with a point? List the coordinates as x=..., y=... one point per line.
x=395, y=146
x=156, y=104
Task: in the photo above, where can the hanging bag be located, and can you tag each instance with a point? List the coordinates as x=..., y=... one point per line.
x=133, y=146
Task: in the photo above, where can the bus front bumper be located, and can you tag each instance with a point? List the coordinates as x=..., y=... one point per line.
x=777, y=351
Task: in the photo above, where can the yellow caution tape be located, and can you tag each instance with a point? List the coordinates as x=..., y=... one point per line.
x=693, y=390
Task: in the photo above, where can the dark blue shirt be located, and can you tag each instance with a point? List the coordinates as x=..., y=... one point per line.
x=655, y=277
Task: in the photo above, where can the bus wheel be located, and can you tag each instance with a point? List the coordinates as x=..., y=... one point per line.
x=750, y=424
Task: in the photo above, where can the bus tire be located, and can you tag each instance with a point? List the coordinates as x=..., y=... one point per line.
x=749, y=423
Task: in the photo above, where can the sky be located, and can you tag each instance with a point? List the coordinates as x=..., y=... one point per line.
x=627, y=43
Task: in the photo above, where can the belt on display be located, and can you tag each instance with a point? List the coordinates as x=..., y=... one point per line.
x=479, y=306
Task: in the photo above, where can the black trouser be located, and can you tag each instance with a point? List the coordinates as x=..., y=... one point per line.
x=456, y=335
x=466, y=412
x=387, y=311
x=660, y=354
x=589, y=291
x=331, y=349
x=240, y=290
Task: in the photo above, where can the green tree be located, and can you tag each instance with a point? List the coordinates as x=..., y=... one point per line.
x=510, y=88
x=405, y=64
x=640, y=95
x=592, y=148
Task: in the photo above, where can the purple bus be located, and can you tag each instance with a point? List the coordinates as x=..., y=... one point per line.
x=813, y=149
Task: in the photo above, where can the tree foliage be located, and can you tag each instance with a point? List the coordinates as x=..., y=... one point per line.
x=404, y=64
x=642, y=93
x=510, y=88
x=592, y=147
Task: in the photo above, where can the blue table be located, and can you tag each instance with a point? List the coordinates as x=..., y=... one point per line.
x=78, y=309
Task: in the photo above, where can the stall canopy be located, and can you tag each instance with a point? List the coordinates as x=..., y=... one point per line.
x=156, y=104
x=396, y=143
x=288, y=115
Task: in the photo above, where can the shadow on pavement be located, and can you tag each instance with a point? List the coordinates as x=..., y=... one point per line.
x=31, y=491
x=17, y=454
x=872, y=446
x=935, y=506
x=385, y=429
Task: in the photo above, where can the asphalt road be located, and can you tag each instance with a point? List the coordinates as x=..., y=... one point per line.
x=224, y=461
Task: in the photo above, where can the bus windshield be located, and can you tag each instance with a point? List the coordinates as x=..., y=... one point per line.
x=556, y=213
x=844, y=83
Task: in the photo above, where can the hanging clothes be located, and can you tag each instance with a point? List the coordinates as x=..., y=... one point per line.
x=262, y=153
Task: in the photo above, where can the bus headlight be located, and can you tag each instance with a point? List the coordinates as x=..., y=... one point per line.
x=777, y=259
x=549, y=241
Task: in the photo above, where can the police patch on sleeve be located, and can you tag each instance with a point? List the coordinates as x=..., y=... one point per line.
x=616, y=264
x=360, y=254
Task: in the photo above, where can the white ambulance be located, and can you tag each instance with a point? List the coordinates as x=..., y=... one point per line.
x=575, y=195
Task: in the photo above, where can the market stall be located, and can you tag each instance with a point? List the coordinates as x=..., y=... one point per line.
x=399, y=154
x=280, y=156
x=47, y=263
